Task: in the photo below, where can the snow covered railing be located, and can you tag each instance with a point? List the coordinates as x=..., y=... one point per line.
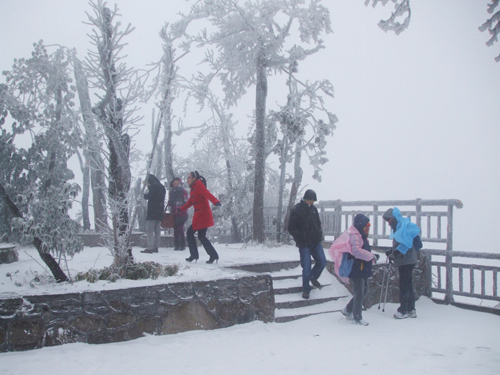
x=467, y=275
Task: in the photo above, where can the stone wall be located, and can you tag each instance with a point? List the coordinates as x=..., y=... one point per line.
x=125, y=314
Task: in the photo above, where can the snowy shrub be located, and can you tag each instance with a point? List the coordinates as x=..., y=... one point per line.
x=133, y=271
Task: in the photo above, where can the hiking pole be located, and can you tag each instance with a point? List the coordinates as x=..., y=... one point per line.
x=387, y=284
x=383, y=282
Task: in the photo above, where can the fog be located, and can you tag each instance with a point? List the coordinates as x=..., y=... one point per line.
x=418, y=113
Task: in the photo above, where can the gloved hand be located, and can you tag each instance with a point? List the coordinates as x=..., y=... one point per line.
x=376, y=257
x=390, y=255
x=178, y=210
x=218, y=204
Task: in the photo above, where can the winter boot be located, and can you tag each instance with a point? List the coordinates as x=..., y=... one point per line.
x=399, y=315
x=360, y=322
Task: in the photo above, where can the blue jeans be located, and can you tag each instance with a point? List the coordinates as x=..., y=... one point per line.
x=359, y=292
x=318, y=254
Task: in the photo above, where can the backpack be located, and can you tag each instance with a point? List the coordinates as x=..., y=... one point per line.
x=417, y=243
x=346, y=265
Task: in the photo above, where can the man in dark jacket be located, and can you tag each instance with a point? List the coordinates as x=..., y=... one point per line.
x=305, y=227
x=154, y=215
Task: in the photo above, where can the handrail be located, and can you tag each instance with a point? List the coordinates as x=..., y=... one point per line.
x=424, y=202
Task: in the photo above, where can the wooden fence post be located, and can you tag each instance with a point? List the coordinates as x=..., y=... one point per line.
x=449, y=257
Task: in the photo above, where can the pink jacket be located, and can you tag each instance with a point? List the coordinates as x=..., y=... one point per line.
x=348, y=242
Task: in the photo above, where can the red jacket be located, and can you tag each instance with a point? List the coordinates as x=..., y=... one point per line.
x=199, y=197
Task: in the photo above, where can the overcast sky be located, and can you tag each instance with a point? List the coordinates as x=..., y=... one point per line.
x=418, y=113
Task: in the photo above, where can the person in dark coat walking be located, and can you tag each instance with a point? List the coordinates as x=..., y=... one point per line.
x=405, y=243
x=202, y=218
x=154, y=214
x=305, y=227
x=177, y=197
x=361, y=268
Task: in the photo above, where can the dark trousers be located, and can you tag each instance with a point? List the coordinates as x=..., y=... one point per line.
x=359, y=292
x=179, y=239
x=406, y=295
x=193, y=247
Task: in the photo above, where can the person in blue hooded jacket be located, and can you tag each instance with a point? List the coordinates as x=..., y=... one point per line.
x=405, y=244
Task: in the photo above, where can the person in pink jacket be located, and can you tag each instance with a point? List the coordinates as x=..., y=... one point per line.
x=361, y=268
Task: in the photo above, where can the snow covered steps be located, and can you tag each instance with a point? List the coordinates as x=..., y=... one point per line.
x=287, y=285
x=291, y=306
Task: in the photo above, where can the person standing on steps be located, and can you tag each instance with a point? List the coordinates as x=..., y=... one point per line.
x=304, y=226
x=177, y=197
x=154, y=213
x=406, y=242
x=202, y=218
x=361, y=268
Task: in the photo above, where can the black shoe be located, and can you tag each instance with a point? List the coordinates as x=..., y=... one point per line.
x=316, y=283
x=305, y=295
x=191, y=258
x=211, y=260
x=149, y=251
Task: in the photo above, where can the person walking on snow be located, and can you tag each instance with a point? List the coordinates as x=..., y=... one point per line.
x=361, y=268
x=154, y=213
x=406, y=241
x=305, y=228
x=202, y=218
x=177, y=197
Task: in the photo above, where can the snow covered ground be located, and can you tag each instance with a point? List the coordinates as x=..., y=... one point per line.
x=442, y=340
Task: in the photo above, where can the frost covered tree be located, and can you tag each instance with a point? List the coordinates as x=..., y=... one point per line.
x=227, y=153
x=117, y=88
x=34, y=182
x=302, y=131
x=167, y=83
x=250, y=40
x=492, y=25
x=401, y=10
x=92, y=163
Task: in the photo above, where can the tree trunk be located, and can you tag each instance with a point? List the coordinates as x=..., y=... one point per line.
x=91, y=152
x=51, y=263
x=281, y=188
x=297, y=181
x=260, y=145
x=85, y=190
x=169, y=71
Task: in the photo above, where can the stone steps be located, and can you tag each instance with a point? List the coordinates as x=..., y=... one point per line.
x=291, y=306
x=287, y=286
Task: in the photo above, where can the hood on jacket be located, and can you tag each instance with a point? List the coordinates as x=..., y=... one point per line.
x=405, y=231
x=360, y=222
x=152, y=179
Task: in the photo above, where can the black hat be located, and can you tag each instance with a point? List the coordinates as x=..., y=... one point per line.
x=388, y=214
x=310, y=195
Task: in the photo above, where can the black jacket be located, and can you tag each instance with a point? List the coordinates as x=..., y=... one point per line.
x=304, y=225
x=156, y=199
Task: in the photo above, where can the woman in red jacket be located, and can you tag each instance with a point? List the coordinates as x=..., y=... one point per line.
x=202, y=219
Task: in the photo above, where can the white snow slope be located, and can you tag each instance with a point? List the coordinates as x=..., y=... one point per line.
x=442, y=340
